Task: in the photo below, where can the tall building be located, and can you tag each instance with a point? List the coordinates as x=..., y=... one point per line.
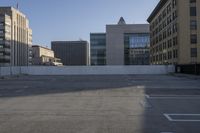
x=44, y=56
x=72, y=53
x=15, y=38
x=122, y=44
x=98, y=48
x=175, y=32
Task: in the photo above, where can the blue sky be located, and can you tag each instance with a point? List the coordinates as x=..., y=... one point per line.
x=74, y=19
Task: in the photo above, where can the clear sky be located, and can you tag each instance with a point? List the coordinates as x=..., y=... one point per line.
x=74, y=19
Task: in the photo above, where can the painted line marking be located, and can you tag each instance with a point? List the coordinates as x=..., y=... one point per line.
x=170, y=117
x=145, y=104
x=172, y=96
x=25, y=87
x=147, y=96
x=166, y=132
x=18, y=91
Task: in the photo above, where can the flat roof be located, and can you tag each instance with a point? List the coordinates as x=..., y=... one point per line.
x=14, y=9
x=100, y=33
x=82, y=41
x=127, y=25
x=156, y=9
x=42, y=47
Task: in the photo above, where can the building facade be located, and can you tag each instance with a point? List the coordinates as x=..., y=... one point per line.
x=72, y=53
x=136, y=48
x=15, y=38
x=127, y=44
x=98, y=49
x=44, y=56
x=175, y=32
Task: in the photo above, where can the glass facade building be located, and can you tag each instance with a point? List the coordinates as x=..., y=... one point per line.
x=136, y=49
x=98, y=48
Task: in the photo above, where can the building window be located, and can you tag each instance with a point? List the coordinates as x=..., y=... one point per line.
x=1, y=24
x=174, y=3
x=193, y=24
x=193, y=52
x=193, y=11
x=194, y=39
x=192, y=1
x=174, y=41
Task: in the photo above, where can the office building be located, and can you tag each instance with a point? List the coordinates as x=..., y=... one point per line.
x=122, y=44
x=126, y=44
x=72, y=53
x=175, y=32
x=44, y=56
x=15, y=38
x=98, y=48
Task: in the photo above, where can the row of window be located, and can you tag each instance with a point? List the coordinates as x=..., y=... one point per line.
x=162, y=36
x=172, y=55
x=193, y=23
x=166, y=12
x=165, y=56
x=164, y=24
x=165, y=45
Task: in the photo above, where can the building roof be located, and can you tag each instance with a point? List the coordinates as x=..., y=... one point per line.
x=100, y=33
x=157, y=9
x=41, y=47
x=70, y=42
x=13, y=9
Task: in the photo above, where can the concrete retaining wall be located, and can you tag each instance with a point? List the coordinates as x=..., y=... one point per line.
x=87, y=70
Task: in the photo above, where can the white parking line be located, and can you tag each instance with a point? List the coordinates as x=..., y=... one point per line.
x=170, y=117
x=145, y=104
x=18, y=91
x=166, y=132
x=173, y=96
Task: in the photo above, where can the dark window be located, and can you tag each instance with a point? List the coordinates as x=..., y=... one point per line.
x=192, y=1
x=194, y=39
x=193, y=11
x=193, y=52
x=174, y=3
x=193, y=24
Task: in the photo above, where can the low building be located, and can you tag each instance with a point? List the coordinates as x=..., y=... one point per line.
x=44, y=56
x=72, y=53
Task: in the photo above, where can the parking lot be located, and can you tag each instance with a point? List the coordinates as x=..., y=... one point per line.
x=100, y=104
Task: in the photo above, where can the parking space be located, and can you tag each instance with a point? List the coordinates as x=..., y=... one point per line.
x=100, y=104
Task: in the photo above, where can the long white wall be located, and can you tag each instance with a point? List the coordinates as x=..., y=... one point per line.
x=87, y=70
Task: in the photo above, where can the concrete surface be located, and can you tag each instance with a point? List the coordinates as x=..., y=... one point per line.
x=88, y=70
x=98, y=104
